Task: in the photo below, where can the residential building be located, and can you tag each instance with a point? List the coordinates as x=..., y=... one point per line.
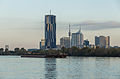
x=102, y=41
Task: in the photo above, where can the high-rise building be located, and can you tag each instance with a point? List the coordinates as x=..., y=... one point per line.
x=50, y=31
x=102, y=41
x=77, y=39
x=108, y=42
x=65, y=42
x=97, y=41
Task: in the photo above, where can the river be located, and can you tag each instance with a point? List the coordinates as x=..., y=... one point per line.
x=15, y=67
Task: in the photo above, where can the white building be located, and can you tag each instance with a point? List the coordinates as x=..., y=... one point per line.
x=77, y=39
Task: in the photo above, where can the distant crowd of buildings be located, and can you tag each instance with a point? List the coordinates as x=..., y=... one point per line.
x=77, y=40
x=74, y=39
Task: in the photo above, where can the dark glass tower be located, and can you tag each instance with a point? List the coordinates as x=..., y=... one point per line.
x=50, y=31
x=97, y=41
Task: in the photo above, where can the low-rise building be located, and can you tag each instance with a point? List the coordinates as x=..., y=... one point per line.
x=42, y=44
x=86, y=43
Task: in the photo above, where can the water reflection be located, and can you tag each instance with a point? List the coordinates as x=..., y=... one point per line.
x=50, y=68
x=72, y=68
x=102, y=68
x=78, y=68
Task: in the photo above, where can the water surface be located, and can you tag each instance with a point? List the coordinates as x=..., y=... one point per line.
x=15, y=67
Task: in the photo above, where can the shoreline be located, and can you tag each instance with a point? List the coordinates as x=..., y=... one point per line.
x=66, y=56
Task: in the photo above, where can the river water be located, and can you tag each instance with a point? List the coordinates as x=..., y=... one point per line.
x=15, y=67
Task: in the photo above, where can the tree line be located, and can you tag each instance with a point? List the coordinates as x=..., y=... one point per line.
x=74, y=51
x=86, y=51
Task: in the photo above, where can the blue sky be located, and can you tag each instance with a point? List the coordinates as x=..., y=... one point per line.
x=22, y=21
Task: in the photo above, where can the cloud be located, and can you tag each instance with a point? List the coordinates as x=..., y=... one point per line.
x=91, y=25
x=36, y=24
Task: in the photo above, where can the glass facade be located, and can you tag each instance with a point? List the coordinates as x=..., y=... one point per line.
x=50, y=31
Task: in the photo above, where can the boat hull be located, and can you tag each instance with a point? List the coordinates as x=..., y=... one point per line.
x=44, y=56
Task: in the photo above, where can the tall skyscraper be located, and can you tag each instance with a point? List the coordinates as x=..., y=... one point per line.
x=65, y=42
x=77, y=39
x=50, y=31
x=102, y=41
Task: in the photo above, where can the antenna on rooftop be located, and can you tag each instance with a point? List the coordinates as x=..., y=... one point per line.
x=50, y=12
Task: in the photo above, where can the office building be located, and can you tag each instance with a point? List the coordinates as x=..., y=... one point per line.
x=50, y=31
x=77, y=39
x=108, y=42
x=65, y=42
x=42, y=44
x=86, y=43
x=102, y=41
x=96, y=41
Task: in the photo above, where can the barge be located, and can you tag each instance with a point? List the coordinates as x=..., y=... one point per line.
x=33, y=56
x=45, y=56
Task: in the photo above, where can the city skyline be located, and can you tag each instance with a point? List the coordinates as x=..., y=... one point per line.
x=23, y=26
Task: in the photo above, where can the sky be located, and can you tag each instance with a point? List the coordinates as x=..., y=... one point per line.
x=22, y=21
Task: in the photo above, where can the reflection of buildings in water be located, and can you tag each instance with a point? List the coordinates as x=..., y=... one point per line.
x=102, y=68
x=50, y=68
x=76, y=68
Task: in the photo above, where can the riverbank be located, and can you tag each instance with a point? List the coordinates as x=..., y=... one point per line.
x=74, y=51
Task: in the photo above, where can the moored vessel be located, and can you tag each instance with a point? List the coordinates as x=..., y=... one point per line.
x=45, y=56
